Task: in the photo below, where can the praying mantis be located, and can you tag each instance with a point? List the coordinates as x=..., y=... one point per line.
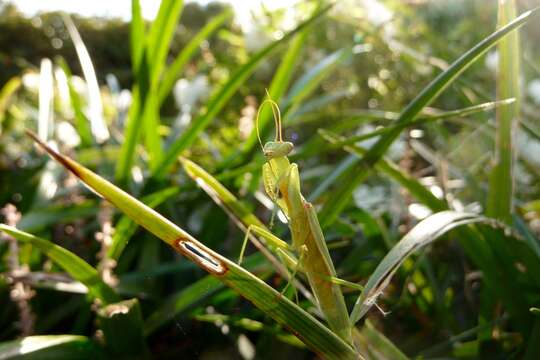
x=282, y=184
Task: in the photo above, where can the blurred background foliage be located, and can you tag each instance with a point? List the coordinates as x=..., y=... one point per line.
x=389, y=51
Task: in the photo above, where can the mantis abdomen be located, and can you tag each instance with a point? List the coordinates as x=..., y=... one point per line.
x=308, y=241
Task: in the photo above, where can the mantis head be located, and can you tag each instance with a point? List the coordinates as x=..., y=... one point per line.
x=275, y=149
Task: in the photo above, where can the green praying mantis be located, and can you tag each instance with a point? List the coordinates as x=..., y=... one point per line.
x=282, y=184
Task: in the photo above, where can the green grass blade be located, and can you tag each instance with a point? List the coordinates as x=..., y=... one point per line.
x=278, y=86
x=376, y=345
x=7, y=92
x=220, y=98
x=75, y=266
x=122, y=327
x=151, y=122
x=132, y=130
x=180, y=301
x=50, y=347
x=157, y=47
x=313, y=333
x=140, y=69
x=173, y=72
x=386, y=166
x=81, y=121
x=499, y=202
x=160, y=36
x=40, y=218
x=95, y=105
x=125, y=227
x=148, y=65
x=421, y=120
x=192, y=294
x=45, y=100
x=223, y=194
x=137, y=35
x=353, y=178
x=308, y=82
x=423, y=234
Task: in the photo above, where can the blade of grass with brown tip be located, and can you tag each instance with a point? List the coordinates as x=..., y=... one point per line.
x=312, y=332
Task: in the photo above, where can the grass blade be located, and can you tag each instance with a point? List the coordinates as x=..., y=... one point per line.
x=137, y=35
x=191, y=295
x=313, y=333
x=133, y=126
x=39, y=218
x=499, y=203
x=222, y=96
x=423, y=234
x=148, y=65
x=278, y=86
x=160, y=36
x=122, y=327
x=7, y=92
x=157, y=47
x=391, y=169
x=173, y=72
x=125, y=227
x=95, y=105
x=311, y=79
x=378, y=346
x=140, y=69
x=354, y=177
x=81, y=121
x=427, y=119
x=75, y=266
x=225, y=196
x=45, y=117
x=50, y=347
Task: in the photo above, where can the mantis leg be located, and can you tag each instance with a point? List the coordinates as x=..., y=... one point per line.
x=271, y=240
x=349, y=284
x=297, y=267
x=244, y=245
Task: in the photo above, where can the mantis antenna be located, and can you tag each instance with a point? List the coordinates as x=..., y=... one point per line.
x=277, y=119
